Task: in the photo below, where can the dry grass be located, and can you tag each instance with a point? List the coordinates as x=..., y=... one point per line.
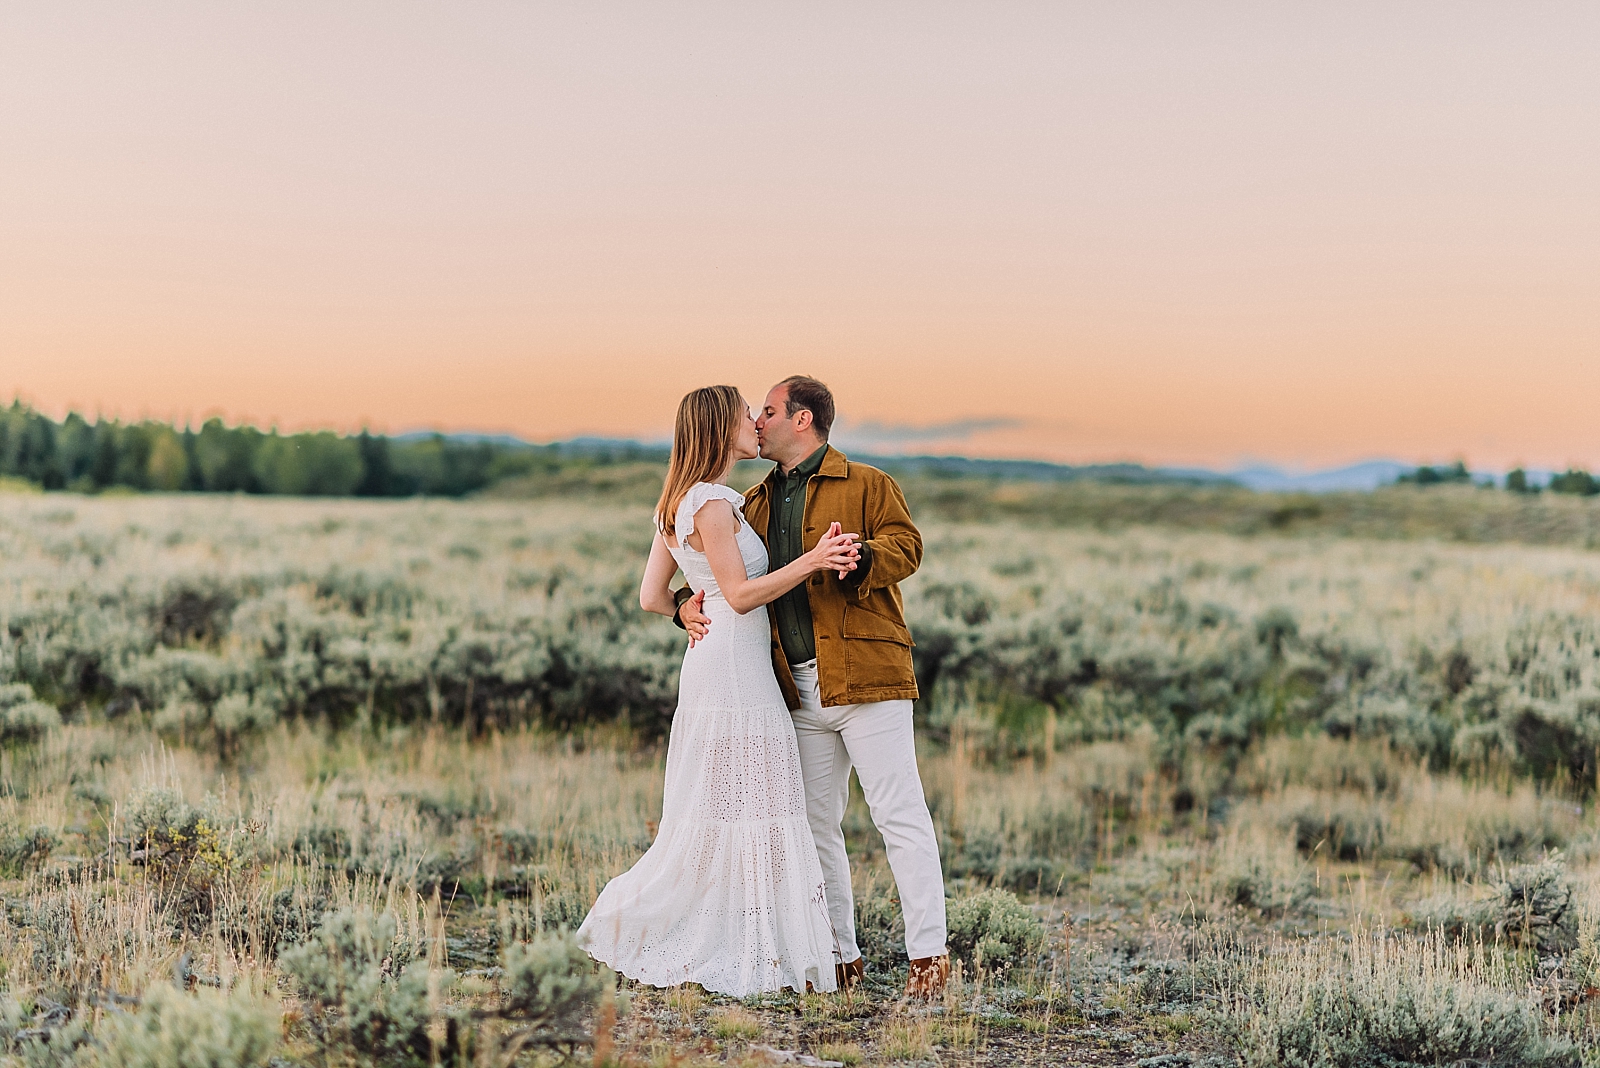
x=563, y=819
x=907, y=1038
x=1193, y=877
x=1426, y=999
x=735, y=1022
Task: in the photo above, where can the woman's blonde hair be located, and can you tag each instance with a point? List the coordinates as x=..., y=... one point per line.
x=702, y=445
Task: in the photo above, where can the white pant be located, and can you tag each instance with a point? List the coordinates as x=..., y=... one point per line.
x=877, y=739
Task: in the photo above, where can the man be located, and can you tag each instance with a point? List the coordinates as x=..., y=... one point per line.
x=843, y=659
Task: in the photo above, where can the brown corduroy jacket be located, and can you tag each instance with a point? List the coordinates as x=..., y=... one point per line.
x=863, y=645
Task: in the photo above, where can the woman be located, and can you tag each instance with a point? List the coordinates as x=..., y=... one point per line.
x=730, y=896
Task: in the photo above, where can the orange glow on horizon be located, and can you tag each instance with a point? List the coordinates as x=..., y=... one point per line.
x=1174, y=235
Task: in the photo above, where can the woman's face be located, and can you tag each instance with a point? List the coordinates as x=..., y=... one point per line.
x=745, y=444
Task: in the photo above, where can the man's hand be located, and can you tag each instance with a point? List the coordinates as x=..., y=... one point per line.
x=863, y=561
x=855, y=560
x=692, y=615
x=857, y=551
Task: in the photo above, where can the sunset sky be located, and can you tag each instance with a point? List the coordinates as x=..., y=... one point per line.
x=1170, y=232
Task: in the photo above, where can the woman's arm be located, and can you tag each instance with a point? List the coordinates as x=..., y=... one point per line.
x=718, y=528
x=655, y=592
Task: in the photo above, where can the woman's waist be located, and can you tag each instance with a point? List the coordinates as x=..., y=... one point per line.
x=728, y=624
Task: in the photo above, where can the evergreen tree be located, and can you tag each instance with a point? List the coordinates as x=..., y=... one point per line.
x=168, y=468
x=1576, y=481
x=1433, y=476
x=378, y=478
x=86, y=456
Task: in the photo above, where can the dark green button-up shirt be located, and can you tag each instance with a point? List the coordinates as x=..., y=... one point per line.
x=786, y=544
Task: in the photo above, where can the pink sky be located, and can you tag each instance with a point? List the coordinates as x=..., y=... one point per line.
x=1175, y=233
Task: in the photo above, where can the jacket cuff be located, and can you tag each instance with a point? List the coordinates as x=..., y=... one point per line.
x=681, y=594
x=857, y=579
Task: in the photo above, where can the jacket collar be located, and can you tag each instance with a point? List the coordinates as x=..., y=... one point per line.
x=834, y=465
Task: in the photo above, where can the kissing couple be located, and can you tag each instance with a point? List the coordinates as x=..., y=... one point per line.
x=798, y=669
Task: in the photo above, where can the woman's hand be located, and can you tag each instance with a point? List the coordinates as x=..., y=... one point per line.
x=836, y=551
x=718, y=526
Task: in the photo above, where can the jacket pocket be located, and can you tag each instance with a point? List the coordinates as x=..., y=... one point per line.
x=860, y=623
x=877, y=653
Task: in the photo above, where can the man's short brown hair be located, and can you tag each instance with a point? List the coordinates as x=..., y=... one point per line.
x=806, y=392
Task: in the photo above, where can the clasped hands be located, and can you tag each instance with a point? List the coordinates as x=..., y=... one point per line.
x=836, y=551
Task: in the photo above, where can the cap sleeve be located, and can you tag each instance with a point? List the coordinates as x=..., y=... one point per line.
x=698, y=496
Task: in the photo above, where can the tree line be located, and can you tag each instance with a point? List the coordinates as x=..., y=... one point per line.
x=87, y=457
x=1575, y=481
x=76, y=454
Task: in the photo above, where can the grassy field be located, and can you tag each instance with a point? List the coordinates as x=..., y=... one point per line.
x=324, y=781
x=1451, y=513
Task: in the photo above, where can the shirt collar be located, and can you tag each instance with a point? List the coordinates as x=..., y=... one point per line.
x=809, y=466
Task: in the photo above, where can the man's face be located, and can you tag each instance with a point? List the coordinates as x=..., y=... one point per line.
x=774, y=428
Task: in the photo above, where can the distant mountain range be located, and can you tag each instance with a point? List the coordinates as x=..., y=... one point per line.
x=1367, y=475
x=1359, y=477
x=1363, y=476
x=1036, y=470
x=467, y=437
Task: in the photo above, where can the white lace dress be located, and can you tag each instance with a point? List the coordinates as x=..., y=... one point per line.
x=730, y=895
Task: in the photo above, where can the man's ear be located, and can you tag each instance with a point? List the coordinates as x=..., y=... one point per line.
x=802, y=420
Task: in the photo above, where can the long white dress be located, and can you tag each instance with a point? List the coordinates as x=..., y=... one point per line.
x=730, y=895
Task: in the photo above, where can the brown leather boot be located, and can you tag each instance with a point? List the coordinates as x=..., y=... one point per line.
x=928, y=977
x=848, y=975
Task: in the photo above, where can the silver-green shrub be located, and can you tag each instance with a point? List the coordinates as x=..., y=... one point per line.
x=1582, y=965
x=993, y=929
x=23, y=719
x=202, y=1029
x=1342, y=826
x=550, y=981
x=1528, y=906
x=1264, y=872
x=217, y=616
x=223, y=724
x=23, y=850
x=365, y=998
x=36, y=1033
x=370, y=1002
x=880, y=927
x=1390, y=1000
x=187, y=848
